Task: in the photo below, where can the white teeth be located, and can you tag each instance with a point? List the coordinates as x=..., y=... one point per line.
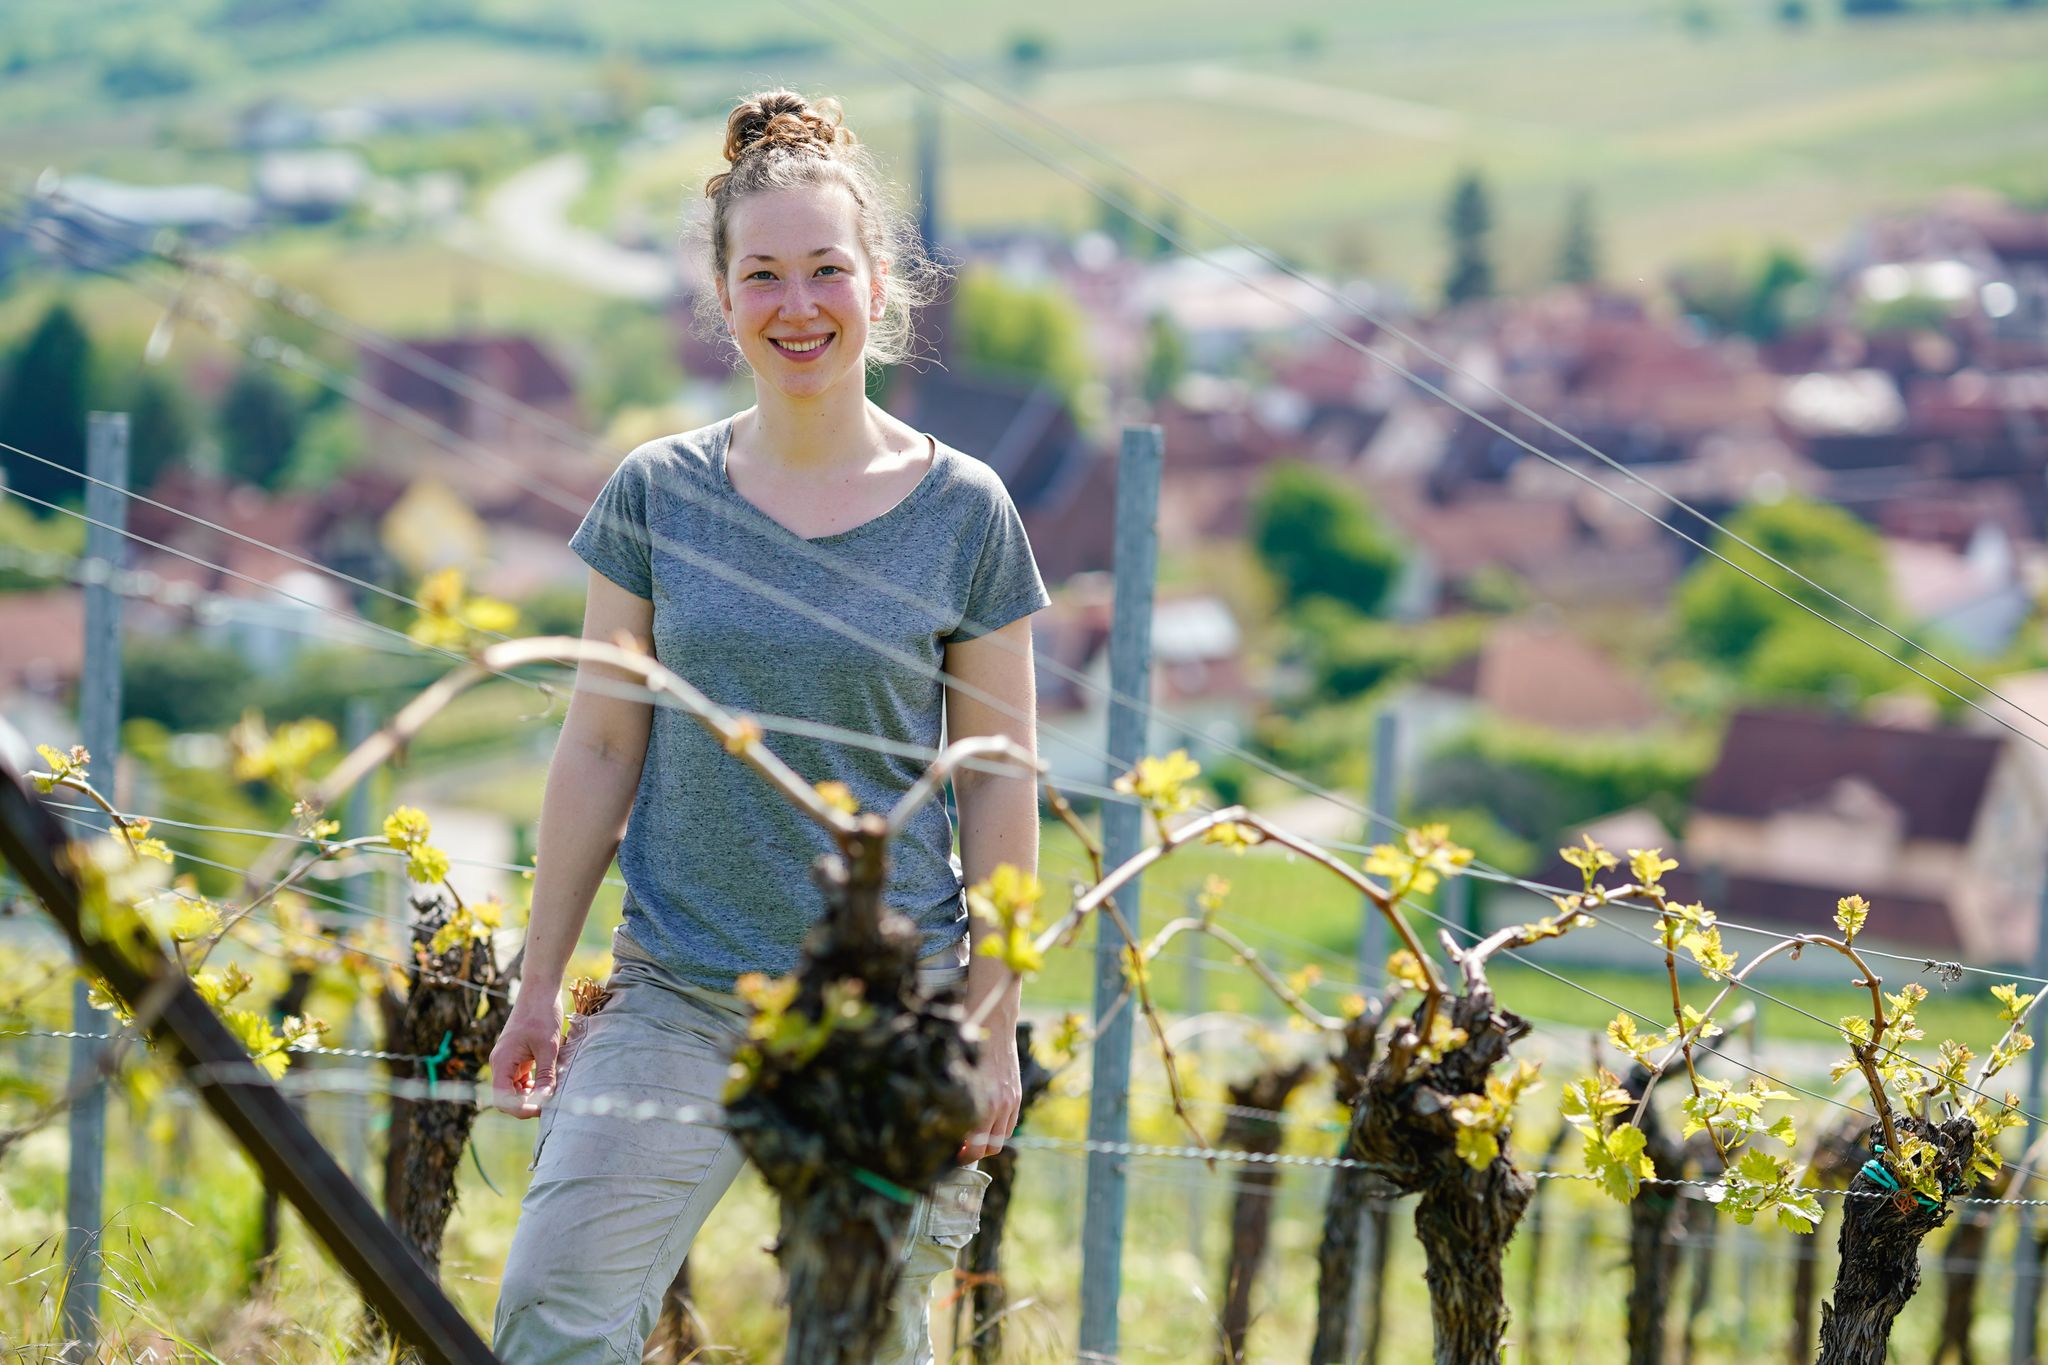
x=801, y=346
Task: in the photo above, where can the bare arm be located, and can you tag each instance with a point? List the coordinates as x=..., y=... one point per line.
x=591, y=783
x=998, y=824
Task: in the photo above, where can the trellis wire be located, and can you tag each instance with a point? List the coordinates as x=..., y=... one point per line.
x=1172, y=236
x=650, y=1111
x=1295, y=778
x=369, y=1054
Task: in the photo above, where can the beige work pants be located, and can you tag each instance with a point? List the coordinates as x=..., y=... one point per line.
x=617, y=1199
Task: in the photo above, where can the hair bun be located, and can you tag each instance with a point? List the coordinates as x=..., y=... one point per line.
x=778, y=119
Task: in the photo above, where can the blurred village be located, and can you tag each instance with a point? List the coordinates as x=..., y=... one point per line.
x=1336, y=542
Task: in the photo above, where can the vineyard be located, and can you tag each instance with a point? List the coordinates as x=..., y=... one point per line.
x=1665, y=1134
x=1362, y=1098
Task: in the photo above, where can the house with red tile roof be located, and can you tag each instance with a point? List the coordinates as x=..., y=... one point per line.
x=1944, y=831
x=532, y=443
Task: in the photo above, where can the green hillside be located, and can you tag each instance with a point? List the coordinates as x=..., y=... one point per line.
x=1331, y=134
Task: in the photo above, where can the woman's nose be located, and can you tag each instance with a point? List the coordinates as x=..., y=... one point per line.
x=797, y=301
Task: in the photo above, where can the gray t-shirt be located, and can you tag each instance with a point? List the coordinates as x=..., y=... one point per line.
x=846, y=630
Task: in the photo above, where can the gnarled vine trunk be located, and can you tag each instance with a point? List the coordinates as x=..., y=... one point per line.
x=1835, y=1159
x=1403, y=1131
x=983, y=1259
x=1880, y=1249
x=850, y=1135
x=1652, y=1251
x=1251, y=1211
x=1464, y=1225
x=1344, y=1208
x=455, y=1005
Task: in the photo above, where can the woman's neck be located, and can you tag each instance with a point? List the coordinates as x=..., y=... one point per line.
x=816, y=433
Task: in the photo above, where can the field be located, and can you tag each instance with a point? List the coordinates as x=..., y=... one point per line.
x=1333, y=138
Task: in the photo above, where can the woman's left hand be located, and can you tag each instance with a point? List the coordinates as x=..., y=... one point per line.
x=1001, y=1091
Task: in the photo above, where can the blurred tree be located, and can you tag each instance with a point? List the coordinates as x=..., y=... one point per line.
x=45, y=405
x=1022, y=332
x=1470, y=220
x=1306, y=42
x=156, y=59
x=1536, y=782
x=1801, y=659
x=330, y=444
x=260, y=422
x=1166, y=357
x=632, y=362
x=1348, y=654
x=23, y=531
x=160, y=427
x=1159, y=241
x=1726, y=616
x=181, y=682
x=1317, y=538
x=1794, y=13
x=1028, y=51
x=323, y=679
x=1113, y=222
x=1756, y=297
x=1578, y=260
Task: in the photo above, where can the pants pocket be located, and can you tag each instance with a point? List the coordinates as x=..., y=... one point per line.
x=956, y=1207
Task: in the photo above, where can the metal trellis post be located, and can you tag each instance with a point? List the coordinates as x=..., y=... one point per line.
x=99, y=723
x=1130, y=677
x=1379, y=826
x=2026, y=1284
x=360, y=722
x=1381, y=797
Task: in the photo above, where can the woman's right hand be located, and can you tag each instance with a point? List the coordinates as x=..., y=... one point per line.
x=523, y=1062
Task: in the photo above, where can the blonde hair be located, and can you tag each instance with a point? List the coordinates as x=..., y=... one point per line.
x=778, y=140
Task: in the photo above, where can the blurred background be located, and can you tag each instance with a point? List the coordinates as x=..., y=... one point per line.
x=390, y=287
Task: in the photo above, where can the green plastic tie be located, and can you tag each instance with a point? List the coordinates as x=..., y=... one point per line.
x=434, y=1062
x=884, y=1186
x=477, y=1157
x=1875, y=1171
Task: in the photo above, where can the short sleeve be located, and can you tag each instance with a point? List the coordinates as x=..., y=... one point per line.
x=613, y=538
x=1006, y=584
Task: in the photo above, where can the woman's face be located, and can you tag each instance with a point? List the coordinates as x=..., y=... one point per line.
x=799, y=292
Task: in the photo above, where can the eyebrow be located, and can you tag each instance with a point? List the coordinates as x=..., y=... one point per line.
x=821, y=251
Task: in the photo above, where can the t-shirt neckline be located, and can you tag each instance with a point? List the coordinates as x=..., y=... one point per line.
x=726, y=485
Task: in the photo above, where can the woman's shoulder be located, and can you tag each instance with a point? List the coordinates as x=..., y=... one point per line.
x=966, y=477
x=686, y=454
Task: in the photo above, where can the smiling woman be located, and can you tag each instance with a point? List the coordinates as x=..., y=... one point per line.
x=810, y=557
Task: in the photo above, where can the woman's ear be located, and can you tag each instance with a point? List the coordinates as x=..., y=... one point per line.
x=878, y=299
x=724, y=300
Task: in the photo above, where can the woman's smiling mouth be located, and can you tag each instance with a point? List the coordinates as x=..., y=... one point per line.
x=801, y=348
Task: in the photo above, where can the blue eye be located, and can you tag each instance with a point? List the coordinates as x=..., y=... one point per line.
x=835, y=269
x=759, y=273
